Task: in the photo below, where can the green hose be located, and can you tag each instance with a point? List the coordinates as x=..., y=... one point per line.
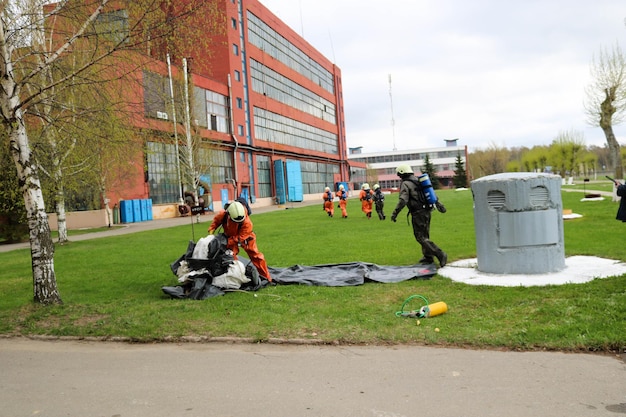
x=413, y=313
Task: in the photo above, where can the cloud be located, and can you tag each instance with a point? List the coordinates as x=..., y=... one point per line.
x=484, y=71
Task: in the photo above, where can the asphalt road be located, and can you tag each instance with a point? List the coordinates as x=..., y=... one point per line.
x=104, y=379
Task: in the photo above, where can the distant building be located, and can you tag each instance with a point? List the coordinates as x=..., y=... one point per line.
x=382, y=165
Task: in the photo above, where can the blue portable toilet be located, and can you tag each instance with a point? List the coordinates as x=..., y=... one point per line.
x=279, y=179
x=224, y=195
x=126, y=211
x=143, y=205
x=345, y=186
x=294, y=181
x=149, y=208
x=136, y=210
x=245, y=194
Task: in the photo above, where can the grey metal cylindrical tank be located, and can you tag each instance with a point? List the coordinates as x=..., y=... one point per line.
x=519, y=223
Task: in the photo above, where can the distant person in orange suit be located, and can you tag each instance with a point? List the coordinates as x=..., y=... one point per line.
x=328, y=198
x=237, y=227
x=367, y=200
x=343, y=201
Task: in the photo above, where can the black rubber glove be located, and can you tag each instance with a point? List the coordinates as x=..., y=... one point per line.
x=440, y=207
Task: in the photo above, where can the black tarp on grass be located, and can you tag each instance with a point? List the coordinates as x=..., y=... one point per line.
x=329, y=275
x=350, y=273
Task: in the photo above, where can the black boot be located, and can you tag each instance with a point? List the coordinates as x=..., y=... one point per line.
x=442, y=257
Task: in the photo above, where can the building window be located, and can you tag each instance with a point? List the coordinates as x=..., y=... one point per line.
x=211, y=110
x=280, y=88
x=162, y=175
x=274, y=127
x=233, y=22
x=156, y=93
x=317, y=175
x=235, y=49
x=237, y=76
x=240, y=130
x=113, y=26
x=239, y=103
x=217, y=164
x=272, y=43
x=264, y=181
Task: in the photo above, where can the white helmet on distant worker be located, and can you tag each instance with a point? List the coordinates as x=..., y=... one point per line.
x=327, y=189
x=376, y=187
x=341, y=187
x=365, y=186
x=404, y=169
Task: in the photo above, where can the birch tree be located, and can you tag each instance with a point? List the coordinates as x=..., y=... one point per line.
x=31, y=43
x=605, y=99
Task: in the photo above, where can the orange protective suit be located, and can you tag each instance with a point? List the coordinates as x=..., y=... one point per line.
x=329, y=207
x=343, y=202
x=241, y=234
x=367, y=201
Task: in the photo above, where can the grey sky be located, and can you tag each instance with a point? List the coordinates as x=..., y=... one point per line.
x=509, y=73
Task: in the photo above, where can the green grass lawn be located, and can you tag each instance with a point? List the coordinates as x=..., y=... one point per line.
x=111, y=287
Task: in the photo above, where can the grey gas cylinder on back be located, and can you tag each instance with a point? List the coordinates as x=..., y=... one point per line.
x=519, y=223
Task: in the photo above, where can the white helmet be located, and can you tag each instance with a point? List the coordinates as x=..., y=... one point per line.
x=376, y=187
x=236, y=211
x=327, y=189
x=341, y=186
x=365, y=186
x=404, y=169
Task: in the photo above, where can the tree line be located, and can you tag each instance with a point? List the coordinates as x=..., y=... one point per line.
x=567, y=155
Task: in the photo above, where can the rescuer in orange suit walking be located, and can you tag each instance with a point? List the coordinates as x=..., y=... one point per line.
x=238, y=229
x=343, y=201
x=367, y=200
x=328, y=198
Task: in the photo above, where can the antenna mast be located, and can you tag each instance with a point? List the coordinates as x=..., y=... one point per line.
x=393, y=122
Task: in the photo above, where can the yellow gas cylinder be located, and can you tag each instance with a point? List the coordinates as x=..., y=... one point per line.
x=434, y=309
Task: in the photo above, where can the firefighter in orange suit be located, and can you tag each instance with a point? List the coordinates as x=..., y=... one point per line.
x=238, y=229
x=367, y=200
x=343, y=201
x=328, y=197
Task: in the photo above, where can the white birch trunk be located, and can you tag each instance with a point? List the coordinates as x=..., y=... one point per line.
x=60, y=209
x=41, y=246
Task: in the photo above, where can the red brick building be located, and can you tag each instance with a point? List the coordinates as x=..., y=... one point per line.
x=267, y=105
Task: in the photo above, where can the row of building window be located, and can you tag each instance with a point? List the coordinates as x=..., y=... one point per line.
x=392, y=171
x=216, y=165
x=276, y=128
x=280, y=88
x=272, y=43
x=403, y=157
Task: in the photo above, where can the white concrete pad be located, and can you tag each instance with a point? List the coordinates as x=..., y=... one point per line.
x=578, y=270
